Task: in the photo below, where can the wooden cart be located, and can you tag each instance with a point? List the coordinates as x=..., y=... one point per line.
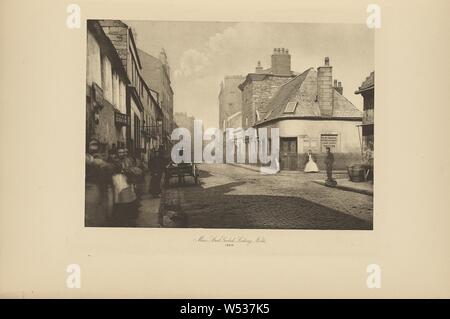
x=181, y=170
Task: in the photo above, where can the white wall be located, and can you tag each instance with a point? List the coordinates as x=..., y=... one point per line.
x=93, y=63
x=116, y=89
x=107, y=79
x=122, y=97
x=348, y=139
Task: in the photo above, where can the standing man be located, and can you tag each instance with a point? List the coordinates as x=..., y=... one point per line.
x=329, y=160
x=157, y=170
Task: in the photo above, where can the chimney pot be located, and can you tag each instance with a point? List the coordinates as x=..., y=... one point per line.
x=339, y=84
x=335, y=82
x=258, y=68
x=281, y=62
x=327, y=61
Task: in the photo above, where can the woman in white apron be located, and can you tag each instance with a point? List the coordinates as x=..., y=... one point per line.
x=311, y=166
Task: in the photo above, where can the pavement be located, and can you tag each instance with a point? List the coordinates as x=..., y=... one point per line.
x=347, y=185
x=149, y=207
x=233, y=196
x=148, y=211
x=340, y=175
x=99, y=204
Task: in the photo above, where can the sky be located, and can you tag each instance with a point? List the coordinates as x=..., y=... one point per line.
x=200, y=54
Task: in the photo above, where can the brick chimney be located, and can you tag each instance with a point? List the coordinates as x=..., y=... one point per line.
x=259, y=68
x=325, y=88
x=338, y=87
x=281, y=61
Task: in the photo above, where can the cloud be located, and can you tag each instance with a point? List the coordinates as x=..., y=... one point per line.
x=192, y=62
x=225, y=52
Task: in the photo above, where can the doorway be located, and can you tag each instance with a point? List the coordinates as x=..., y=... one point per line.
x=289, y=155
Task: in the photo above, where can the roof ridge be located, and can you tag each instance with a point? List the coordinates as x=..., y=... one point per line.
x=269, y=110
x=295, y=77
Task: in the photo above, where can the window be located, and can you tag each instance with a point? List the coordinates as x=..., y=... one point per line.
x=290, y=107
x=107, y=79
x=328, y=140
x=137, y=132
x=116, y=90
x=288, y=144
x=132, y=73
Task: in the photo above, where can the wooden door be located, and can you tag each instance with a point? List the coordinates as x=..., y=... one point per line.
x=288, y=153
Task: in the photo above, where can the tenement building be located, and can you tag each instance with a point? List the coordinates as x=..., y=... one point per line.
x=106, y=91
x=156, y=72
x=122, y=38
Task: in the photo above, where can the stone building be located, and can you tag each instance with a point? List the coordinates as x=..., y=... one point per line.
x=367, y=90
x=259, y=87
x=106, y=91
x=144, y=97
x=185, y=121
x=230, y=102
x=122, y=39
x=310, y=113
x=156, y=72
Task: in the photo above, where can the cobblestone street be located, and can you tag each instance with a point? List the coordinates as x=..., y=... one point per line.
x=230, y=196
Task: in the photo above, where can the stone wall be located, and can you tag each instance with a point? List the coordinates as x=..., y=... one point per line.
x=341, y=160
x=325, y=90
x=117, y=32
x=255, y=96
x=230, y=98
x=105, y=131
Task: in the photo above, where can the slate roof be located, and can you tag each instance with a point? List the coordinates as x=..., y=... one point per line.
x=307, y=107
x=367, y=84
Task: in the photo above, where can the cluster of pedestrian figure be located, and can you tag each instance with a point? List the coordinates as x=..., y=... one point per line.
x=311, y=165
x=124, y=175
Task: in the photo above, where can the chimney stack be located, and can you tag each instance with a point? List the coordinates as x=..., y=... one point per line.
x=259, y=68
x=281, y=62
x=325, y=88
x=338, y=87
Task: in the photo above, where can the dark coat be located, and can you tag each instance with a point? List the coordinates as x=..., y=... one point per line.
x=329, y=160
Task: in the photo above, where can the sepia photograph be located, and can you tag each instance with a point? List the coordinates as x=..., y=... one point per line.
x=222, y=153
x=229, y=125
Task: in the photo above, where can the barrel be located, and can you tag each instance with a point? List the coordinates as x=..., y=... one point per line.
x=356, y=173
